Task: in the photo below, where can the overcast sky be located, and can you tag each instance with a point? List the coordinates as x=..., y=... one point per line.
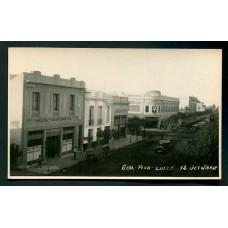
x=175, y=72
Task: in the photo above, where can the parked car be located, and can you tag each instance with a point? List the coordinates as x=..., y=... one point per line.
x=163, y=147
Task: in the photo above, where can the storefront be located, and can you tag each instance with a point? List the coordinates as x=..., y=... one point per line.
x=57, y=137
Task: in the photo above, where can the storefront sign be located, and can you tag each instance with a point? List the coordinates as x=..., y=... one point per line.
x=54, y=119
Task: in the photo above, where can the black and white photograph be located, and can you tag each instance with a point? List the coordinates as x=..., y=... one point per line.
x=114, y=113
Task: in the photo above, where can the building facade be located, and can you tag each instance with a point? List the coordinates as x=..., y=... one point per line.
x=200, y=107
x=192, y=104
x=46, y=115
x=195, y=105
x=120, y=115
x=104, y=112
x=153, y=107
x=98, y=108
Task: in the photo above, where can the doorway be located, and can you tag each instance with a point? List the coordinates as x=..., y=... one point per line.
x=52, y=146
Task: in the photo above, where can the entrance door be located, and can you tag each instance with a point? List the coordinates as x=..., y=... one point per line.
x=52, y=146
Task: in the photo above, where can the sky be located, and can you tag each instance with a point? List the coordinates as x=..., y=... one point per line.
x=175, y=72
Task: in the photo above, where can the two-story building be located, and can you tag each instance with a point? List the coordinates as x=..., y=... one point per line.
x=98, y=109
x=119, y=115
x=104, y=111
x=46, y=115
x=153, y=107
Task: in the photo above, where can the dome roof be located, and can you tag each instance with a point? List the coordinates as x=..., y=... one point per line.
x=153, y=93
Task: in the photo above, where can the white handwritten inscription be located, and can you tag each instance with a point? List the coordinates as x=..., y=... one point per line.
x=127, y=167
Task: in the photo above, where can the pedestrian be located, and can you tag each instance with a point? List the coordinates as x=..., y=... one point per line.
x=162, y=136
x=75, y=153
x=39, y=161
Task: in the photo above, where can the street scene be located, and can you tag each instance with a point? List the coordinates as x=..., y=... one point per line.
x=146, y=125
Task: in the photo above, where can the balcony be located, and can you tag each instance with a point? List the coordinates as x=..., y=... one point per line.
x=99, y=121
x=91, y=122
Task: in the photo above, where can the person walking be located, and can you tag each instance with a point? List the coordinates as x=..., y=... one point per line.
x=39, y=161
x=75, y=152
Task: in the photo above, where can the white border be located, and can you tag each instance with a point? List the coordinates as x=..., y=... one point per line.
x=124, y=177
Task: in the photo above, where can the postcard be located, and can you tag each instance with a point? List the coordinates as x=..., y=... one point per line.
x=114, y=113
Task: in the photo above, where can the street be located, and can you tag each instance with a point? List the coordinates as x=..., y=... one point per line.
x=141, y=160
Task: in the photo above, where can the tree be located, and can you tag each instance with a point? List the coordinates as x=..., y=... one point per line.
x=100, y=136
x=107, y=135
x=134, y=126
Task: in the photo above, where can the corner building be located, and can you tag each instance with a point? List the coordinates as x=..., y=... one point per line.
x=153, y=107
x=46, y=115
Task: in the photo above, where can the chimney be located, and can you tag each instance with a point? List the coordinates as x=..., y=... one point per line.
x=36, y=73
x=56, y=76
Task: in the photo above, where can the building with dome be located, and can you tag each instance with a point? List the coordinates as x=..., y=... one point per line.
x=152, y=106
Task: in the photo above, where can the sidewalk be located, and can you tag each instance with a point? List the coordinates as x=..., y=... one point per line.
x=125, y=141
x=157, y=130
x=55, y=164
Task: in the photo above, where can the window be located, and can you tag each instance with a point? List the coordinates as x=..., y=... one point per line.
x=71, y=102
x=154, y=109
x=55, y=102
x=108, y=114
x=147, y=109
x=91, y=114
x=35, y=101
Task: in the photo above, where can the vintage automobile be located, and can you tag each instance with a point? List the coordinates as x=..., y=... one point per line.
x=195, y=127
x=163, y=148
